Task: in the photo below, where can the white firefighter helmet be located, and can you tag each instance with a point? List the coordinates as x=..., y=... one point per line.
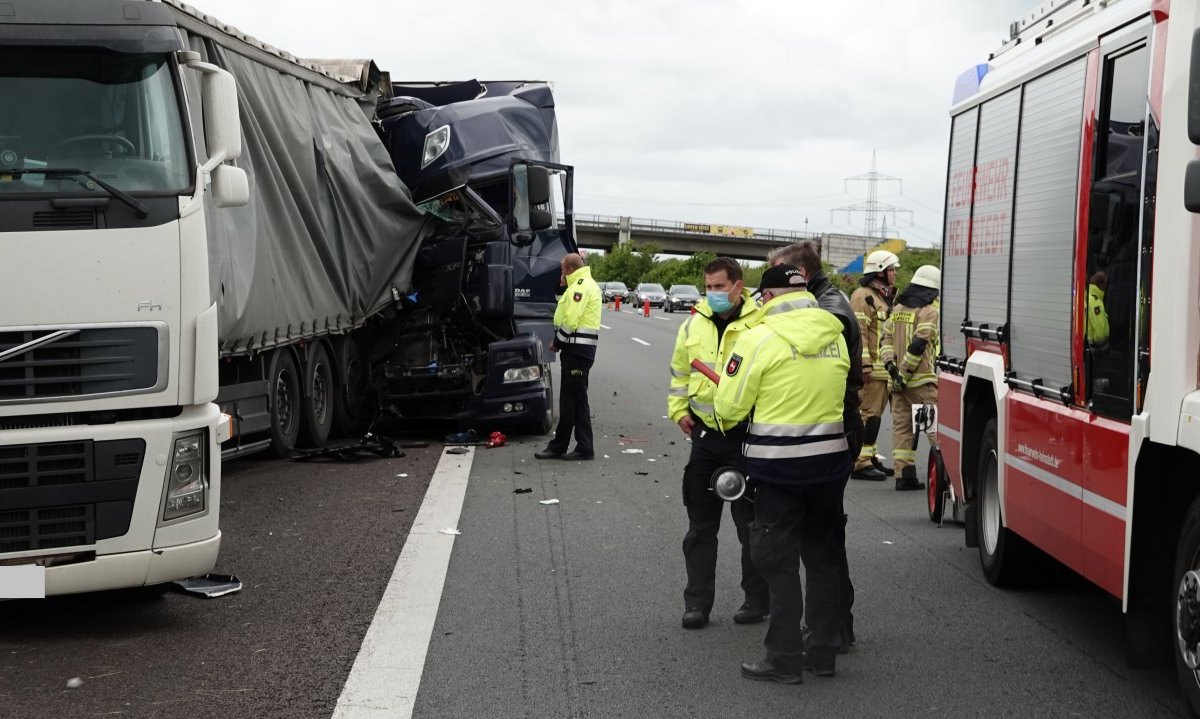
x=880, y=260
x=928, y=276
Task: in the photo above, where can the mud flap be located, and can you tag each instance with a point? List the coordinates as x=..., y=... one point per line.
x=971, y=519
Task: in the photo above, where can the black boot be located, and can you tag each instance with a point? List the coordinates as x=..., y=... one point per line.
x=883, y=467
x=908, y=479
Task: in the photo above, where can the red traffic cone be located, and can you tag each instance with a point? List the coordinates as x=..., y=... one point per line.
x=645, y=308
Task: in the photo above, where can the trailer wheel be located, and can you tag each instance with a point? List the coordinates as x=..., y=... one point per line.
x=351, y=399
x=937, y=486
x=1187, y=609
x=1002, y=553
x=318, y=396
x=284, y=386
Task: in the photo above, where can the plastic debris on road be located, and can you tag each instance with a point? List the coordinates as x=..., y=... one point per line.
x=523, y=490
x=210, y=585
x=651, y=460
x=456, y=450
x=548, y=501
x=632, y=451
x=402, y=474
x=449, y=530
x=642, y=474
x=497, y=439
x=74, y=683
x=887, y=542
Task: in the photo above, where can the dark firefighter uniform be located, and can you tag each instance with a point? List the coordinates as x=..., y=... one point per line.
x=788, y=374
x=706, y=337
x=576, y=335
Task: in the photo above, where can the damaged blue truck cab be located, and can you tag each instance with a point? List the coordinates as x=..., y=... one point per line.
x=472, y=340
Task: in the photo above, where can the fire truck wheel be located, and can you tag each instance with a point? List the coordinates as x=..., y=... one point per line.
x=319, y=390
x=936, y=485
x=1002, y=554
x=1187, y=609
x=283, y=384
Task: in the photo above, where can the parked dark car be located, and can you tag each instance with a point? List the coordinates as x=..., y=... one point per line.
x=611, y=290
x=681, y=297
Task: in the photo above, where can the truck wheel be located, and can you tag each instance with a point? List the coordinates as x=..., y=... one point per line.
x=1187, y=609
x=937, y=486
x=546, y=426
x=318, y=396
x=351, y=399
x=284, y=386
x=1001, y=553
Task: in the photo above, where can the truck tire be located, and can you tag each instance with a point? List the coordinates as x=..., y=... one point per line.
x=1002, y=554
x=936, y=486
x=317, y=406
x=1186, y=603
x=351, y=399
x=283, y=381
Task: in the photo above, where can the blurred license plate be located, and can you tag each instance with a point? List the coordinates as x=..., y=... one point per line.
x=23, y=581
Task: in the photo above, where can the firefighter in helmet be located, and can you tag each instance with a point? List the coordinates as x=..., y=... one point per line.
x=912, y=326
x=872, y=304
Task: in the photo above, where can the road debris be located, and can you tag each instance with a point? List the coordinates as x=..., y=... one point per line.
x=548, y=501
x=449, y=530
x=74, y=683
x=210, y=586
x=632, y=451
x=523, y=490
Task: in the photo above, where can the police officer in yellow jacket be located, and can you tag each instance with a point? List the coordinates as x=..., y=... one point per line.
x=788, y=376
x=705, y=338
x=913, y=325
x=872, y=303
x=576, y=335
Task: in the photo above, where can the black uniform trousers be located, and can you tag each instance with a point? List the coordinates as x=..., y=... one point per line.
x=574, y=412
x=794, y=523
x=854, y=438
x=712, y=450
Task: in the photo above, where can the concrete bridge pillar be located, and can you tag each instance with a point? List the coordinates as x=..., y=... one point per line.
x=623, y=230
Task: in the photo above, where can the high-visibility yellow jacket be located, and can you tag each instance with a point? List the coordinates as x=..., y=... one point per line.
x=1097, y=316
x=871, y=309
x=697, y=340
x=577, y=316
x=913, y=325
x=788, y=374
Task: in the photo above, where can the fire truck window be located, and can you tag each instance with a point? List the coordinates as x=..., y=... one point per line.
x=1112, y=263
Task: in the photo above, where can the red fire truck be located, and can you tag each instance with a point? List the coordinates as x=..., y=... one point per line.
x=1069, y=414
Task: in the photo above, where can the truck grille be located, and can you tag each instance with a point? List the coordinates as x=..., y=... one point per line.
x=25, y=530
x=64, y=494
x=89, y=361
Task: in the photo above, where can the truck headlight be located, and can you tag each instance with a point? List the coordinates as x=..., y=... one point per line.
x=186, y=482
x=523, y=374
x=436, y=143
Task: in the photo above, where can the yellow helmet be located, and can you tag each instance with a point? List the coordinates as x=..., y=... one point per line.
x=880, y=260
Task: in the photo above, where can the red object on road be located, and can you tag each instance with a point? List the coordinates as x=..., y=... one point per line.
x=645, y=308
x=693, y=309
x=497, y=439
x=617, y=299
x=704, y=370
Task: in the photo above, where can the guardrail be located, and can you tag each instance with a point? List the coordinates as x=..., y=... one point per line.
x=613, y=222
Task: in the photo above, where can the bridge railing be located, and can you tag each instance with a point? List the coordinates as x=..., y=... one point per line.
x=613, y=222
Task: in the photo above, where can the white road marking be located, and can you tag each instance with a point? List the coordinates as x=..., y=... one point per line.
x=635, y=339
x=605, y=326
x=387, y=671
x=664, y=319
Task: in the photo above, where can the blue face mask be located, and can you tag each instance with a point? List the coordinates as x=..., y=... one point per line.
x=719, y=301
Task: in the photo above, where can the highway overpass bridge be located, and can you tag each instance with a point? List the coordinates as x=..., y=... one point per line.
x=603, y=232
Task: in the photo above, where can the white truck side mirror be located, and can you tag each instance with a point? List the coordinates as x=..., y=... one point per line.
x=230, y=188
x=222, y=127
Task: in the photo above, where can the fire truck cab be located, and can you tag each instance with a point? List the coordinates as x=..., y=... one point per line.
x=1069, y=416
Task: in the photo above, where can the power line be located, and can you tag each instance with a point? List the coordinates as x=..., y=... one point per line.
x=872, y=208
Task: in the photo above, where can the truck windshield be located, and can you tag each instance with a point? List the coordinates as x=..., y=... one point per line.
x=113, y=115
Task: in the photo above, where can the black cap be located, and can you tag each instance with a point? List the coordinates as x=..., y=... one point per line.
x=782, y=277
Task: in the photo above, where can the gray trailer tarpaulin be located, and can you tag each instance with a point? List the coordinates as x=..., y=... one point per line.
x=330, y=234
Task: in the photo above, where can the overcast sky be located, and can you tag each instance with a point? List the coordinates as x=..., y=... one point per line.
x=746, y=112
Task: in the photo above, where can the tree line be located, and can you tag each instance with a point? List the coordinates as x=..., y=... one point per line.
x=634, y=263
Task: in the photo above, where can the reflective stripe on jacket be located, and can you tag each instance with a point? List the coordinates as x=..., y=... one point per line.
x=871, y=309
x=577, y=316
x=697, y=340
x=788, y=375
x=915, y=329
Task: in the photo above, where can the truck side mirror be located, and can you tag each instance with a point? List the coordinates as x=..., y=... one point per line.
x=222, y=128
x=539, y=185
x=230, y=188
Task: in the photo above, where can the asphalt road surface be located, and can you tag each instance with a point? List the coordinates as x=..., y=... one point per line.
x=563, y=610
